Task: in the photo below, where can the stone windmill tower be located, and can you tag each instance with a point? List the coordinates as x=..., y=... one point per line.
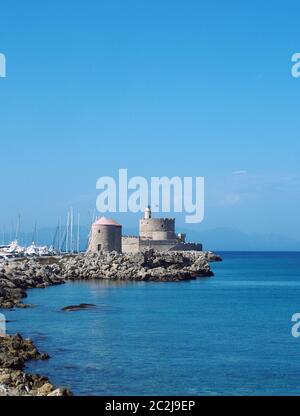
x=106, y=235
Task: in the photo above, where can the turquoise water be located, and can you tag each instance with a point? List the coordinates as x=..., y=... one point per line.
x=229, y=334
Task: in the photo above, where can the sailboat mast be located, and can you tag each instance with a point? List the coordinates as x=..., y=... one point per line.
x=18, y=227
x=78, y=232
x=71, y=232
x=34, y=234
x=11, y=231
x=58, y=238
x=67, y=237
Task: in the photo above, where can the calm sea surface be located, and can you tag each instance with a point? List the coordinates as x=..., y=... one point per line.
x=229, y=334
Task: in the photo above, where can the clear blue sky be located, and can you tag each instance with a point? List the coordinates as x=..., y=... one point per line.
x=188, y=88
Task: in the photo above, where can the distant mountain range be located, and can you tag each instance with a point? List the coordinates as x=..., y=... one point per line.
x=229, y=239
x=218, y=239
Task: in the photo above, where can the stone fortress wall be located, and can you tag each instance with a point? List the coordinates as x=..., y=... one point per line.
x=157, y=228
x=158, y=234
x=130, y=244
x=136, y=244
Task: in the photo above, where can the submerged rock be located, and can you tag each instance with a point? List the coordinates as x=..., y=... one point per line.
x=78, y=307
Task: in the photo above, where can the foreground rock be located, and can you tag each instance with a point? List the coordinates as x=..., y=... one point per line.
x=14, y=352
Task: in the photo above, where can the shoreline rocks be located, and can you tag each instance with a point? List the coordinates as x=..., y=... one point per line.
x=14, y=352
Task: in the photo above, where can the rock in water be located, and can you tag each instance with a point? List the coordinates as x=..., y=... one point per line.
x=78, y=307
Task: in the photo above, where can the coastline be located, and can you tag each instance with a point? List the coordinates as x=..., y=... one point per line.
x=18, y=276
x=14, y=381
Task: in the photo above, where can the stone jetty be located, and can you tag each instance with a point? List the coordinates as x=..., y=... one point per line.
x=18, y=276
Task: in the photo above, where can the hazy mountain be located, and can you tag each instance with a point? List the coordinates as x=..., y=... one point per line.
x=228, y=239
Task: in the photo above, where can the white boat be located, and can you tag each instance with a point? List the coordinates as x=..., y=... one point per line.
x=34, y=250
x=14, y=250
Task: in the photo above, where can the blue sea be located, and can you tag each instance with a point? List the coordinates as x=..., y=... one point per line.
x=225, y=335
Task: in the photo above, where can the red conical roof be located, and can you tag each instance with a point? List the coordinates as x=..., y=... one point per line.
x=106, y=221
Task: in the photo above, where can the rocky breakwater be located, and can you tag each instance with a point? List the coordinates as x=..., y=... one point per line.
x=148, y=265
x=14, y=352
x=17, y=276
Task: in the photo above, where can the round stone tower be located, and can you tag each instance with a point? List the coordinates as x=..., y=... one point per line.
x=157, y=228
x=106, y=235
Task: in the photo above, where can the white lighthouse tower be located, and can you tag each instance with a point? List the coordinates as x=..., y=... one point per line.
x=148, y=213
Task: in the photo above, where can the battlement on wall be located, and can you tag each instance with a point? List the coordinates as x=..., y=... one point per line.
x=157, y=225
x=157, y=220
